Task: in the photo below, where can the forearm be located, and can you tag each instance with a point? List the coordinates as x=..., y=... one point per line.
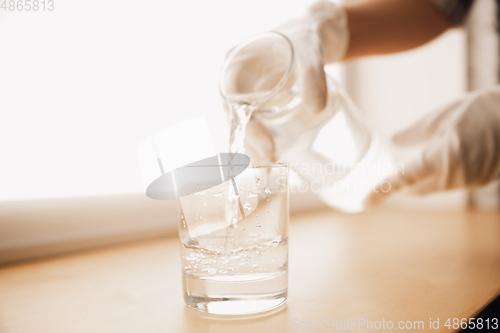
x=388, y=26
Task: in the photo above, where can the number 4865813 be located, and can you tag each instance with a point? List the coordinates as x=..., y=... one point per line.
x=472, y=323
x=27, y=5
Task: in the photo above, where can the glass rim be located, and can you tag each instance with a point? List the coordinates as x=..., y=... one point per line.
x=243, y=44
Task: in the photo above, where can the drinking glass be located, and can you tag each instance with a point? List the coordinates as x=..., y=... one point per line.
x=234, y=237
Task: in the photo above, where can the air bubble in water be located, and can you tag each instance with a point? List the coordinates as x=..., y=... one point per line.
x=258, y=181
x=212, y=271
x=267, y=190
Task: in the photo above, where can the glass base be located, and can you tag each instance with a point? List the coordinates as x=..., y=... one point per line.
x=241, y=296
x=236, y=306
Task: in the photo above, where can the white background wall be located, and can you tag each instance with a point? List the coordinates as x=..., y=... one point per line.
x=83, y=85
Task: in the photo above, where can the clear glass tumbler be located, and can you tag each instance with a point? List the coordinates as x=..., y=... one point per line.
x=234, y=239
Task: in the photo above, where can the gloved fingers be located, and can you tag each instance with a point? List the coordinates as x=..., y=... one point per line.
x=311, y=75
x=393, y=184
x=259, y=144
x=422, y=172
x=333, y=31
x=427, y=127
x=426, y=185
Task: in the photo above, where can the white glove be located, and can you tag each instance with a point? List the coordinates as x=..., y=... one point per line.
x=460, y=147
x=318, y=37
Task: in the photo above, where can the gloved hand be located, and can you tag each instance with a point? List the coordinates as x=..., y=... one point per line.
x=318, y=37
x=460, y=147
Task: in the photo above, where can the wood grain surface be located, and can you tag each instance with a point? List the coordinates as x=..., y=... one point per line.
x=380, y=265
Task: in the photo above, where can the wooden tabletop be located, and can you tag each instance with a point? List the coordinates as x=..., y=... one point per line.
x=379, y=265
